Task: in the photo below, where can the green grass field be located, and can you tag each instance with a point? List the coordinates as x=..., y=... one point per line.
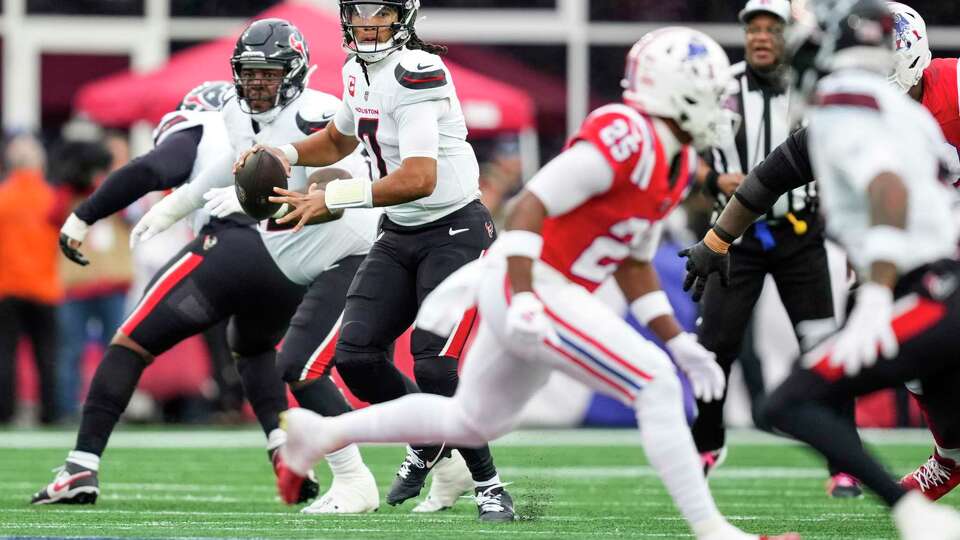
x=566, y=484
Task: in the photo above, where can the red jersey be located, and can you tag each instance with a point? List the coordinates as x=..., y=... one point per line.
x=941, y=96
x=588, y=243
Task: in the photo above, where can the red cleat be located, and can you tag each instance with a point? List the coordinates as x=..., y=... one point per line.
x=935, y=478
x=785, y=536
x=289, y=483
x=844, y=486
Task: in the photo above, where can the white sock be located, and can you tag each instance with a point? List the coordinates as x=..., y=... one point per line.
x=414, y=419
x=345, y=461
x=949, y=453
x=671, y=452
x=487, y=483
x=84, y=459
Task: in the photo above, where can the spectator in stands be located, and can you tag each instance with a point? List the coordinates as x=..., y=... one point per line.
x=30, y=287
x=94, y=293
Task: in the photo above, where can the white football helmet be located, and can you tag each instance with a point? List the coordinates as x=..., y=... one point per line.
x=683, y=74
x=911, y=44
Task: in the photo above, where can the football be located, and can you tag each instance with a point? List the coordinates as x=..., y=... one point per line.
x=255, y=180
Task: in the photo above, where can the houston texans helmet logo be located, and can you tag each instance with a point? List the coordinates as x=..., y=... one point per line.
x=297, y=44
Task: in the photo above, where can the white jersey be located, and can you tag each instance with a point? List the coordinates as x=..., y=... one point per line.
x=214, y=142
x=304, y=255
x=862, y=128
x=409, y=108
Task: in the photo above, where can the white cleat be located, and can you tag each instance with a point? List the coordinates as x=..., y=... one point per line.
x=308, y=440
x=917, y=518
x=451, y=480
x=353, y=494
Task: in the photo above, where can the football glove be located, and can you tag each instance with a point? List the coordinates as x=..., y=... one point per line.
x=527, y=324
x=705, y=374
x=221, y=202
x=162, y=216
x=701, y=262
x=74, y=230
x=868, y=331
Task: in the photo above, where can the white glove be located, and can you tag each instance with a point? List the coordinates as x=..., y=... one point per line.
x=700, y=365
x=867, y=332
x=527, y=324
x=164, y=214
x=221, y=202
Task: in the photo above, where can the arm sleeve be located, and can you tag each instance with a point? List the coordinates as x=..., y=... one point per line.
x=645, y=245
x=343, y=120
x=419, y=128
x=787, y=167
x=570, y=179
x=166, y=166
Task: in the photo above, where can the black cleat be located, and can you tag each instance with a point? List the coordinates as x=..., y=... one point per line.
x=844, y=486
x=74, y=484
x=413, y=472
x=494, y=504
x=310, y=487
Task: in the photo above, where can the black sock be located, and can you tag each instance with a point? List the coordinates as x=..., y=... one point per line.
x=321, y=396
x=791, y=410
x=110, y=391
x=480, y=463
x=845, y=413
x=264, y=389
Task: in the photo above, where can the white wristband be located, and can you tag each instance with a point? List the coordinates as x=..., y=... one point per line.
x=519, y=243
x=349, y=193
x=886, y=243
x=650, y=306
x=291, y=152
x=75, y=228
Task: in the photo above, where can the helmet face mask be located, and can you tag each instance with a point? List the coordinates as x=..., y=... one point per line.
x=270, y=66
x=372, y=29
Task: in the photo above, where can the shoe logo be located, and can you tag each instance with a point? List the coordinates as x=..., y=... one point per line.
x=64, y=483
x=454, y=232
x=430, y=464
x=422, y=67
x=209, y=241
x=379, y=236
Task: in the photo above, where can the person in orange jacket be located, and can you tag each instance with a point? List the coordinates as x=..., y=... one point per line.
x=30, y=287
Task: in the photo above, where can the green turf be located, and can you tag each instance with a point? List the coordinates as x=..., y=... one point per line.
x=568, y=491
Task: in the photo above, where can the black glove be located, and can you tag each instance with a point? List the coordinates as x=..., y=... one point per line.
x=701, y=262
x=72, y=253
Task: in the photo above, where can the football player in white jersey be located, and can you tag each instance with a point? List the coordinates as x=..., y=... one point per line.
x=592, y=213
x=878, y=157
x=399, y=101
x=270, y=65
x=188, y=295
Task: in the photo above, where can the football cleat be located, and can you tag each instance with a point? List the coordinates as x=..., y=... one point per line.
x=494, y=504
x=451, y=479
x=309, y=487
x=918, y=518
x=413, y=472
x=935, y=478
x=844, y=486
x=711, y=459
x=74, y=484
x=353, y=494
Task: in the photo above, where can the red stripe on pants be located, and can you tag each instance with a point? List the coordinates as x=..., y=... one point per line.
x=159, y=290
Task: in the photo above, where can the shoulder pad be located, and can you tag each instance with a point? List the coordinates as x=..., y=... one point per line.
x=175, y=121
x=316, y=110
x=618, y=131
x=419, y=70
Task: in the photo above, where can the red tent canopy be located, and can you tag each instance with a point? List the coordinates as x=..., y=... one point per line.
x=120, y=100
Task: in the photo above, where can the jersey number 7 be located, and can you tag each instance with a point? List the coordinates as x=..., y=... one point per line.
x=367, y=131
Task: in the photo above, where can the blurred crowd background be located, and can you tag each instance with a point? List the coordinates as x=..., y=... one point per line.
x=65, y=129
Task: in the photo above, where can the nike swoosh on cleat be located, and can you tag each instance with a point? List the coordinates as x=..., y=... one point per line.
x=454, y=232
x=429, y=463
x=60, y=485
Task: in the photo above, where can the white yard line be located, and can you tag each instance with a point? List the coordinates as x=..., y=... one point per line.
x=565, y=437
